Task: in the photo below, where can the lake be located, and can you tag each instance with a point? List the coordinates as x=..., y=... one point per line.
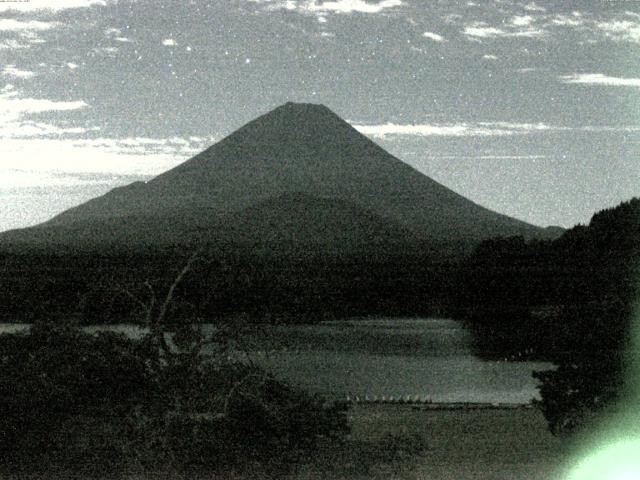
x=430, y=358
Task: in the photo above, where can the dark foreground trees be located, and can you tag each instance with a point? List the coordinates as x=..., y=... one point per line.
x=103, y=402
x=598, y=321
x=569, y=301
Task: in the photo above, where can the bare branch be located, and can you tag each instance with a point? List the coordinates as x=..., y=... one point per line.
x=134, y=298
x=263, y=379
x=152, y=303
x=174, y=285
x=157, y=324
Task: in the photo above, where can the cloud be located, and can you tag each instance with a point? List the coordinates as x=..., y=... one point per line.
x=71, y=148
x=481, y=30
x=608, y=128
x=331, y=6
x=14, y=113
x=350, y=6
x=566, y=21
x=116, y=34
x=13, y=72
x=600, y=79
x=16, y=180
x=12, y=108
x=12, y=25
x=107, y=51
x=533, y=7
x=25, y=33
x=128, y=156
x=480, y=129
x=621, y=30
x=31, y=129
x=433, y=36
x=70, y=153
x=490, y=57
x=618, y=27
x=22, y=141
x=169, y=42
x=12, y=44
x=522, y=20
x=47, y=5
x=492, y=157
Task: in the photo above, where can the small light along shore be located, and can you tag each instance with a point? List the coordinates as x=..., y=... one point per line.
x=418, y=402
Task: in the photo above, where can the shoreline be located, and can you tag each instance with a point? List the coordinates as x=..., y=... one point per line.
x=429, y=405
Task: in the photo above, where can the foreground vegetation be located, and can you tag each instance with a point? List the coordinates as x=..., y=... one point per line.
x=395, y=441
x=76, y=402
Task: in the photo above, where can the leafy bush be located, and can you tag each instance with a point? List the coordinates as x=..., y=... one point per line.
x=228, y=414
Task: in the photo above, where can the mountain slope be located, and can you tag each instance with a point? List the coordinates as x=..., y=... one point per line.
x=296, y=148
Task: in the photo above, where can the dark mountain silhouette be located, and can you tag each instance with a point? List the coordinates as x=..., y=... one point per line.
x=296, y=174
x=331, y=224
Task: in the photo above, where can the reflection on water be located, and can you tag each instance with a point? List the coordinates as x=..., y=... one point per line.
x=374, y=357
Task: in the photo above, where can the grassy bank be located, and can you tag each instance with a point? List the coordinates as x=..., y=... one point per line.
x=395, y=441
x=453, y=445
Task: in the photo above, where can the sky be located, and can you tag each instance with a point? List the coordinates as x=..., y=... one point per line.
x=529, y=108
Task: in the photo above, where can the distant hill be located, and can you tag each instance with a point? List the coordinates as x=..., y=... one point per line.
x=296, y=175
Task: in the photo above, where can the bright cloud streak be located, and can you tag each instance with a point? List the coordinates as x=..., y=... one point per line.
x=621, y=30
x=350, y=6
x=12, y=25
x=51, y=5
x=600, y=79
x=14, y=72
x=481, y=30
x=433, y=36
x=492, y=157
x=13, y=180
x=522, y=21
x=31, y=129
x=14, y=112
x=566, y=21
x=482, y=129
x=78, y=156
x=532, y=7
x=333, y=6
x=12, y=108
x=12, y=44
x=128, y=156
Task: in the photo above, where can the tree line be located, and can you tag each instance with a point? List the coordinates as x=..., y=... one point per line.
x=568, y=301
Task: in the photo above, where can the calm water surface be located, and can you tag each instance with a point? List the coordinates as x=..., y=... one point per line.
x=431, y=358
